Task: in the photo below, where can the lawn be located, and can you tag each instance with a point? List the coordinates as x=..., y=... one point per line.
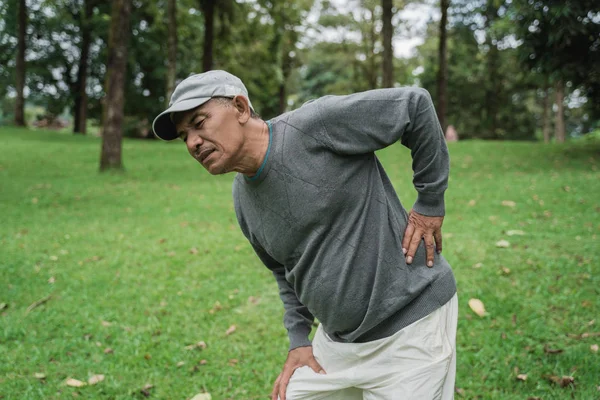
x=145, y=278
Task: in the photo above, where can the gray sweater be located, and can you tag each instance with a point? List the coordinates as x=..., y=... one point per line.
x=323, y=216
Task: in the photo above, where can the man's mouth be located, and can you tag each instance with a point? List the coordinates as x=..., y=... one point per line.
x=201, y=156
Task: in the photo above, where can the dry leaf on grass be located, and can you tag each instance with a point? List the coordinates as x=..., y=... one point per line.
x=233, y=362
x=230, y=330
x=40, y=375
x=202, y=396
x=106, y=323
x=193, y=250
x=180, y=364
x=3, y=306
x=515, y=233
x=594, y=348
x=477, y=306
x=74, y=383
x=94, y=379
x=146, y=390
x=200, y=345
x=563, y=381
x=522, y=377
x=505, y=270
x=502, y=244
x=508, y=203
x=108, y=350
x=549, y=350
x=472, y=203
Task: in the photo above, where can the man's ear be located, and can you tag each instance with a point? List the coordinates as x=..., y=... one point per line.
x=243, y=108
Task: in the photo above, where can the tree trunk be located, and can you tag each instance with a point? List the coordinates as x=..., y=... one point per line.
x=546, y=115
x=20, y=65
x=115, y=85
x=388, y=51
x=80, y=114
x=442, y=78
x=172, y=48
x=492, y=88
x=559, y=123
x=208, y=8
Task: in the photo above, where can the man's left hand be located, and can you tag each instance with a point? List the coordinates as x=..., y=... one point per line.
x=422, y=227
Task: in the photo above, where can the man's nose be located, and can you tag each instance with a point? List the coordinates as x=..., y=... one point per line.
x=194, y=142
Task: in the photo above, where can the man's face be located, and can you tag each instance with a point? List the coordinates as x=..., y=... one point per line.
x=213, y=135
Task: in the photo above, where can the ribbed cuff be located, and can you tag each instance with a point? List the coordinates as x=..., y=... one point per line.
x=430, y=204
x=299, y=338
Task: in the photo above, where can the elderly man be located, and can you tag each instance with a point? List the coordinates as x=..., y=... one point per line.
x=320, y=212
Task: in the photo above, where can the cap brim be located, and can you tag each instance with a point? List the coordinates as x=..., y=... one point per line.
x=164, y=128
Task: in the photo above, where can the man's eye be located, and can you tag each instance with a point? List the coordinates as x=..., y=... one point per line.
x=199, y=124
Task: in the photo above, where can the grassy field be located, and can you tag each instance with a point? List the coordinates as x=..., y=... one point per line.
x=133, y=270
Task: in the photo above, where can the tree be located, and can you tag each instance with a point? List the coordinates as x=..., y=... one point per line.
x=80, y=92
x=172, y=48
x=20, y=65
x=388, y=51
x=208, y=10
x=561, y=41
x=442, y=78
x=115, y=84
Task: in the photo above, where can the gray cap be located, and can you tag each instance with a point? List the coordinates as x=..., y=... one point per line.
x=194, y=91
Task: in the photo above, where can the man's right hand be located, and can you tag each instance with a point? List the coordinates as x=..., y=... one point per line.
x=299, y=357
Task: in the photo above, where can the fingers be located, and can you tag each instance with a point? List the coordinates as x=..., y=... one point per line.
x=275, y=390
x=438, y=241
x=415, y=240
x=284, y=381
x=430, y=247
x=316, y=367
x=408, y=233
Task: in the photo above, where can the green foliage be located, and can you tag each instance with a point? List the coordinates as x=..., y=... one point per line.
x=562, y=39
x=157, y=254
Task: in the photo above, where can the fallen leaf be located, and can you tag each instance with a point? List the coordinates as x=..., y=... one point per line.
x=40, y=375
x=233, y=362
x=567, y=189
x=477, y=306
x=51, y=280
x=34, y=200
x=3, y=306
x=202, y=396
x=505, y=270
x=201, y=345
x=515, y=233
x=508, y=203
x=193, y=250
x=108, y=350
x=253, y=300
x=146, y=390
x=94, y=379
x=534, y=398
x=74, y=383
x=549, y=350
x=563, y=381
x=594, y=348
x=147, y=356
x=180, y=364
x=472, y=203
x=459, y=391
x=106, y=323
x=502, y=244
x=230, y=330
x=522, y=377
x=53, y=258
x=478, y=265
x=203, y=362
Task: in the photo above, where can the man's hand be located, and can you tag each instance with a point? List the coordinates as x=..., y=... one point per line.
x=299, y=357
x=422, y=227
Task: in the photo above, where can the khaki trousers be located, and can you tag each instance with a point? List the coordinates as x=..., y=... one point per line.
x=416, y=363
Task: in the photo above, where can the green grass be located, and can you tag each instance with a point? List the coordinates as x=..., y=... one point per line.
x=117, y=248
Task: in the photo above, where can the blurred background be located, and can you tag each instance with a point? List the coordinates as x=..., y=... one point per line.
x=497, y=69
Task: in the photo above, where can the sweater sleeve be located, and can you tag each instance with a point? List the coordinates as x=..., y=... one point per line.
x=296, y=318
x=365, y=122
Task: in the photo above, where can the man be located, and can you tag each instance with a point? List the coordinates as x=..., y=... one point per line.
x=321, y=213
